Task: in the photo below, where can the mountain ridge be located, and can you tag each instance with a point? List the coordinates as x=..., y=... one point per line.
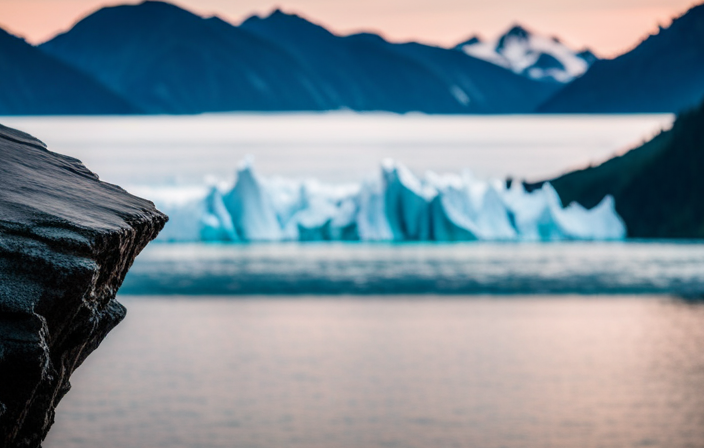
x=34, y=83
x=661, y=74
x=235, y=71
x=155, y=57
x=209, y=65
x=463, y=77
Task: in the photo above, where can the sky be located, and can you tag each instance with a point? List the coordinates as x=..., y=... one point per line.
x=607, y=27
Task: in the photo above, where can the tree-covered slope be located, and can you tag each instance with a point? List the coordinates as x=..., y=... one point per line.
x=658, y=187
x=665, y=73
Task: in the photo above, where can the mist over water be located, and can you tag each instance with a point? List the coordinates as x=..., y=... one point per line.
x=336, y=147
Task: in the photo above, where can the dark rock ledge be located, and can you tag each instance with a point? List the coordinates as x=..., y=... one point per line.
x=66, y=242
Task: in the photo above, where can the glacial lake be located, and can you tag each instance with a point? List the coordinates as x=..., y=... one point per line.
x=325, y=345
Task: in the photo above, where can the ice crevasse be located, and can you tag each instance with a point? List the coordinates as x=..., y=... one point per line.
x=395, y=206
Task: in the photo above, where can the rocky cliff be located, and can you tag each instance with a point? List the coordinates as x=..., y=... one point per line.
x=66, y=242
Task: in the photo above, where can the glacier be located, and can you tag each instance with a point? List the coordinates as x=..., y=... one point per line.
x=394, y=205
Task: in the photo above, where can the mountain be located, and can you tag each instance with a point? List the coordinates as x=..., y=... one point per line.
x=531, y=55
x=657, y=186
x=33, y=83
x=365, y=72
x=665, y=73
x=168, y=60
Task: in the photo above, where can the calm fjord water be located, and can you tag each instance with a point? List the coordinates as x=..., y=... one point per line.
x=339, y=372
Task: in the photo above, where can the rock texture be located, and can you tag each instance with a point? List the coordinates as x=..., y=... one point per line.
x=66, y=242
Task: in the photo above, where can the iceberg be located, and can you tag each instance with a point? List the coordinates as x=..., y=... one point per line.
x=394, y=205
x=406, y=203
x=251, y=207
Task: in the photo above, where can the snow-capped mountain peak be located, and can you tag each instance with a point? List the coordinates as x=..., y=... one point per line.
x=535, y=56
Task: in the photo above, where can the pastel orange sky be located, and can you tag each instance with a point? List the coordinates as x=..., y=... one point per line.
x=608, y=27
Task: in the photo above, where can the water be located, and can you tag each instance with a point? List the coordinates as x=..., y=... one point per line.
x=337, y=372
x=409, y=351
x=469, y=268
x=336, y=147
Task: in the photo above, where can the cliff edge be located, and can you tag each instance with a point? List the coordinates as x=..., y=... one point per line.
x=66, y=242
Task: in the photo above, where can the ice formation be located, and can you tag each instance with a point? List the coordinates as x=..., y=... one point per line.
x=396, y=206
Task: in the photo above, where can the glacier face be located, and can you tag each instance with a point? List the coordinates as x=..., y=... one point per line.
x=395, y=206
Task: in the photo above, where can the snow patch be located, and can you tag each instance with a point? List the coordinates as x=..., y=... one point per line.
x=537, y=57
